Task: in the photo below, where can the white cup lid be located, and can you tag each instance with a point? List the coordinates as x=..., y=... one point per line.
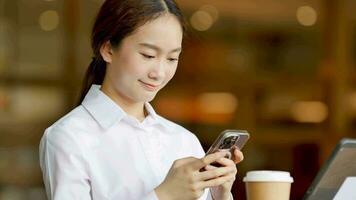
x=268, y=176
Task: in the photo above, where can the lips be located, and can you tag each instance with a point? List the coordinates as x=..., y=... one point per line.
x=149, y=86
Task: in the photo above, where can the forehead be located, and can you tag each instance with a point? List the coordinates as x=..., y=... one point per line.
x=164, y=31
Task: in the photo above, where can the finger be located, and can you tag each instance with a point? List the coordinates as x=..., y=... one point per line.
x=206, y=168
x=200, y=163
x=183, y=161
x=226, y=162
x=210, y=167
x=216, y=181
x=228, y=153
x=238, y=156
x=215, y=173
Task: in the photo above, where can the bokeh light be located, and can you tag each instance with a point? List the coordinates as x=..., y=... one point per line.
x=220, y=103
x=306, y=15
x=212, y=10
x=309, y=111
x=201, y=20
x=49, y=20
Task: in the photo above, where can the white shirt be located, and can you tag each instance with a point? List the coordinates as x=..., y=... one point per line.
x=98, y=152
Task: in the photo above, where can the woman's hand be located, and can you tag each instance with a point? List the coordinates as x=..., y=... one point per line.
x=222, y=191
x=186, y=180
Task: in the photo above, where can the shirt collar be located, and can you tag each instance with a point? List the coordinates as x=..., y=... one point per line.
x=103, y=109
x=154, y=118
x=106, y=112
x=150, y=111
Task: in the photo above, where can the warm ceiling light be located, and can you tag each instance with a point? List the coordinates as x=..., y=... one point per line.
x=49, y=20
x=306, y=15
x=309, y=111
x=217, y=103
x=201, y=20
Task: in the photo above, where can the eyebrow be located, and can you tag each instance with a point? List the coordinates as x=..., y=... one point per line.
x=154, y=47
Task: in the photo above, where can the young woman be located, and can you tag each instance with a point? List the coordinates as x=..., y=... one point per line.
x=113, y=145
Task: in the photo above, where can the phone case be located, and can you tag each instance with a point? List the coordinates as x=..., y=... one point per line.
x=229, y=138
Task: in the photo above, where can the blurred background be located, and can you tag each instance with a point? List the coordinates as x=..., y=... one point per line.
x=284, y=70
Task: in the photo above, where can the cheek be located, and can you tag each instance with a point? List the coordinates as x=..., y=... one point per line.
x=131, y=66
x=170, y=73
x=137, y=66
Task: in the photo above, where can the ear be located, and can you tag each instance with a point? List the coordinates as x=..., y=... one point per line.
x=106, y=52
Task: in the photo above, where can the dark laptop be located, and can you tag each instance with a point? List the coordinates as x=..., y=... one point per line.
x=340, y=164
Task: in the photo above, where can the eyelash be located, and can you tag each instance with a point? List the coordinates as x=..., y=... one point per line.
x=173, y=59
x=150, y=57
x=147, y=56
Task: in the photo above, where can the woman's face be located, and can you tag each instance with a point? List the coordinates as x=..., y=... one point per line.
x=146, y=60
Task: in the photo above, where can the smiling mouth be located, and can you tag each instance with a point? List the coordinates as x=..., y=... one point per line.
x=148, y=86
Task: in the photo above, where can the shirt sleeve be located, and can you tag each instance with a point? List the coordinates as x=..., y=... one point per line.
x=63, y=166
x=197, y=148
x=210, y=197
x=151, y=196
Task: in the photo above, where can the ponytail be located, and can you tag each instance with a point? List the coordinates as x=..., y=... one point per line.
x=95, y=75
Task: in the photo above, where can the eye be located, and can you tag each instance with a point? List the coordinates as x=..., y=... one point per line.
x=147, y=56
x=173, y=59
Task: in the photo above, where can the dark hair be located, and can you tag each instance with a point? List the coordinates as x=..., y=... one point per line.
x=116, y=20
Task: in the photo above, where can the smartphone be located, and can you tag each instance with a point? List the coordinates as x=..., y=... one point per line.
x=227, y=139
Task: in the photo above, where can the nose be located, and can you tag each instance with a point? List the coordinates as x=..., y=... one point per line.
x=157, y=71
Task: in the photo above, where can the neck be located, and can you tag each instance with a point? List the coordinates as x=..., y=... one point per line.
x=135, y=109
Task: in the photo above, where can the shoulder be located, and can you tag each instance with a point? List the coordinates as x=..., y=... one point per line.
x=69, y=128
x=64, y=141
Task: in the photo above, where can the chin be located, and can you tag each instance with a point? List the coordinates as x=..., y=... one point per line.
x=150, y=98
x=147, y=97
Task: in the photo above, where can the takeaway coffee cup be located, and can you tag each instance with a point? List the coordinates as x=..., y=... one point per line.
x=268, y=185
